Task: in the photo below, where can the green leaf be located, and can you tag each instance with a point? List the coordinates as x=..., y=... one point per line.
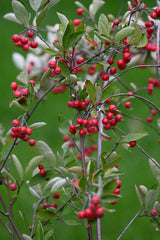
x=38, y=178
x=43, y=78
x=76, y=170
x=63, y=125
x=109, y=187
x=18, y=166
x=150, y=198
x=20, y=11
x=68, y=32
x=17, y=104
x=23, y=76
x=98, y=93
x=34, y=193
x=37, y=125
x=141, y=191
x=134, y=136
x=91, y=90
x=154, y=168
x=80, y=5
x=103, y=26
x=123, y=33
x=74, y=38
x=26, y=237
x=143, y=41
x=51, y=182
x=6, y=149
x=35, y=4
x=33, y=163
x=47, y=152
x=49, y=234
x=45, y=215
x=42, y=14
x=58, y=185
x=113, y=159
x=83, y=183
x=136, y=35
x=107, y=92
x=95, y=6
x=110, y=198
x=63, y=19
x=65, y=72
x=39, y=233
x=51, y=51
x=11, y=17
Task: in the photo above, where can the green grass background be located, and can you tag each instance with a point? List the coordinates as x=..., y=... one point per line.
x=134, y=164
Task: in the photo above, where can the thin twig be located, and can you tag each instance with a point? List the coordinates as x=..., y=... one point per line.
x=157, y=50
x=129, y=224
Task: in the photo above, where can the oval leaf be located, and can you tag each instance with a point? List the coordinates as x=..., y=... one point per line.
x=58, y=184
x=123, y=33
x=76, y=170
x=63, y=19
x=155, y=169
x=34, y=193
x=150, y=198
x=11, y=17
x=34, y=162
x=134, y=136
x=39, y=231
x=35, y=4
x=141, y=193
x=18, y=166
x=91, y=90
x=26, y=237
x=20, y=11
x=37, y=125
x=51, y=182
x=47, y=152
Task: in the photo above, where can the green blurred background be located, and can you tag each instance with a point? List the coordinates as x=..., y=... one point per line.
x=134, y=164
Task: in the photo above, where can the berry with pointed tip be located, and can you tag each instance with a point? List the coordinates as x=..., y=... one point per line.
x=13, y=187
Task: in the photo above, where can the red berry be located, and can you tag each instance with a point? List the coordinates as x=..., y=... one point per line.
x=105, y=120
x=149, y=119
x=70, y=104
x=114, y=202
x=121, y=64
x=30, y=33
x=80, y=60
x=32, y=82
x=13, y=187
x=132, y=143
x=81, y=214
x=113, y=70
x=110, y=115
x=118, y=117
x=157, y=10
x=25, y=91
x=153, y=112
x=28, y=131
x=153, y=15
x=23, y=40
x=116, y=22
x=112, y=108
x=89, y=214
x=154, y=212
x=110, y=61
x=128, y=104
x=14, y=85
x=15, y=38
x=46, y=205
x=52, y=64
x=57, y=70
x=105, y=76
x=40, y=166
x=54, y=205
x=94, y=121
x=22, y=130
x=80, y=11
x=99, y=212
x=56, y=195
x=127, y=57
x=15, y=123
x=116, y=191
x=34, y=44
x=113, y=122
x=17, y=93
x=130, y=94
x=76, y=104
x=32, y=142
x=82, y=132
x=79, y=121
x=76, y=22
x=95, y=200
x=119, y=182
x=107, y=126
x=42, y=172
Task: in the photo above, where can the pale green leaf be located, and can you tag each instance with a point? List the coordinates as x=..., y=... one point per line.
x=20, y=11
x=91, y=90
x=33, y=163
x=37, y=125
x=35, y=4
x=123, y=33
x=150, y=198
x=134, y=136
x=47, y=152
x=39, y=235
x=11, y=17
x=18, y=166
x=58, y=185
x=63, y=19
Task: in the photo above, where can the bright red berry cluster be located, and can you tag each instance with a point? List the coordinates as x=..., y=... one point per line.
x=111, y=118
x=24, y=41
x=152, y=82
x=156, y=13
x=60, y=89
x=77, y=104
x=19, y=91
x=117, y=190
x=88, y=151
x=55, y=70
x=41, y=169
x=94, y=211
x=19, y=131
x=91, y=126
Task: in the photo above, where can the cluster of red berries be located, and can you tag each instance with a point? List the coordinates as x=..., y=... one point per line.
x=94, y=211
x=153, y=112
x=77, y=104
x=152, y=82
x=54, y=205
x=135, y=3
x=25, y=42
x=20, y=92
x=111, y=119
x=66, y=139
x=152, y=47
x=21, y=132
x=156, y=13
x=13, y=186
x=88, y=151
x=117, y=190
x=41, y=169
x=90, y=125
x=54, y=69
x=150, y=29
